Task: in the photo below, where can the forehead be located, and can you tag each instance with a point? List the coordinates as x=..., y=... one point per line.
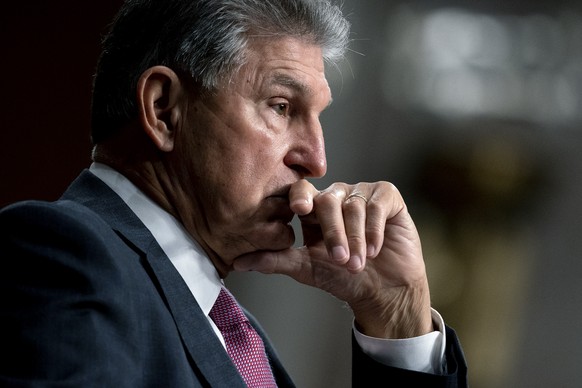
x=286, y=62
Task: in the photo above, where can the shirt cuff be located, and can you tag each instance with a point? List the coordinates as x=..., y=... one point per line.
x=422, y=354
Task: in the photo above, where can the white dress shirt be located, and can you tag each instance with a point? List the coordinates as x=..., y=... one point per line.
x=424, y=353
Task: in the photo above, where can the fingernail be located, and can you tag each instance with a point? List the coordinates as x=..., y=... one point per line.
x=338, y=253
x=301, y=206
x=300, y=202
x=355, y=262
x=370, y=250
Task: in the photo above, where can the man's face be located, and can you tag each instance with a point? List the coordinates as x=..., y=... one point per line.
x=241, y=149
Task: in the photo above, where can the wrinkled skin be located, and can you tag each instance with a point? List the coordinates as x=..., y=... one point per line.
x=232, y=167
x=388, y=292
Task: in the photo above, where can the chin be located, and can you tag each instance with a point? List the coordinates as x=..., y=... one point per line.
x=276, y=236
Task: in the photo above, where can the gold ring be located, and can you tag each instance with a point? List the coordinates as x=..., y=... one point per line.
x=352, y=195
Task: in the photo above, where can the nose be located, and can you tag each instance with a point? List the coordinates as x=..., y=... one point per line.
x=306, y=154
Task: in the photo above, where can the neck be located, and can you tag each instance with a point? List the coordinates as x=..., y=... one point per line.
x=148, y=171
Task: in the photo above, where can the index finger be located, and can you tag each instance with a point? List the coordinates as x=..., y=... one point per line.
x=301, y=196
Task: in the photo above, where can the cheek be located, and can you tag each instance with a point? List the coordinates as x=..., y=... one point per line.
x=237, y=161
x=240, y=184
x=242, y=178
x=232, y=181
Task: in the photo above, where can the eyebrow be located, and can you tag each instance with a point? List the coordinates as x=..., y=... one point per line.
x=293, y=83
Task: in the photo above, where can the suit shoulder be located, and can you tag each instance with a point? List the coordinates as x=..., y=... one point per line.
x=57, y=229
x=64, y=239
x=58, y=214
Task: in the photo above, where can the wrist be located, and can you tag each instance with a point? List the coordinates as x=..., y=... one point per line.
x=407, y=314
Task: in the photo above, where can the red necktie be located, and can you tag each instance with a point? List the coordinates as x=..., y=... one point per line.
x=243, y=344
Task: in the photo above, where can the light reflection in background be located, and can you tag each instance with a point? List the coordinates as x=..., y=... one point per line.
x=484, y=83
x=457, y=63
x=475, y=114
x=492, y=92
x=471, y=108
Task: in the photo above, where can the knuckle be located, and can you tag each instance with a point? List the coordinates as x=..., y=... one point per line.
x=332, y=233
x=327, y=197
x=356, y=240
x=375, y=209
x=374, y=230
x=353, y=203
x=391, y=187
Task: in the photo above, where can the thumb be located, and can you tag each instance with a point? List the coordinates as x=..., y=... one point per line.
x=293, y=262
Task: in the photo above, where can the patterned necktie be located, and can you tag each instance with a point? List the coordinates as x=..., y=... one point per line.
x=243, y=344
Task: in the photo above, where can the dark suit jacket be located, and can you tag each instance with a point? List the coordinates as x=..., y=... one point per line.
x=89, y=299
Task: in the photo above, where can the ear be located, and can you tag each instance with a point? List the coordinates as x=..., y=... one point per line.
x=159, y=92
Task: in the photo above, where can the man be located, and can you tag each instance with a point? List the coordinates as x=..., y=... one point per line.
x=206, y=127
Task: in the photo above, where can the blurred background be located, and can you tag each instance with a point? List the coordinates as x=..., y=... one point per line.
x=474, y=111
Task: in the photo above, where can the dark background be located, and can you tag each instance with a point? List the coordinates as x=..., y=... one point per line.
x=497, y=202
x=49, y=53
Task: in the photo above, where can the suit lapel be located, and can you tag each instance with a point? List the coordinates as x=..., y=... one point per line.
x=199, y=339
x=196, y=332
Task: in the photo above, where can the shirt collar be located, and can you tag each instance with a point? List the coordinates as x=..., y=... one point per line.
x=183, y=251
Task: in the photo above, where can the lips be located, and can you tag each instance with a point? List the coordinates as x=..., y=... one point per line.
x=278, y=206
x=282, y=192
x=281, y=213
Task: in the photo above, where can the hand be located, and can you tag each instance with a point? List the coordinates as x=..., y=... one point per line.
x=360, y=245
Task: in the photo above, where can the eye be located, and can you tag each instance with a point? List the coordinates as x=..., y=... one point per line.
x=281, y=108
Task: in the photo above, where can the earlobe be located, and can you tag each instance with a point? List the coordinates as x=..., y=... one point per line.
x=158, y=97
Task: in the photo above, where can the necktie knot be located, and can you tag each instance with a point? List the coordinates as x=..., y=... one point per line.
x=243, y=344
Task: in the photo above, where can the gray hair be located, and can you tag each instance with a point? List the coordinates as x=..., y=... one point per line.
x=205, y=40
